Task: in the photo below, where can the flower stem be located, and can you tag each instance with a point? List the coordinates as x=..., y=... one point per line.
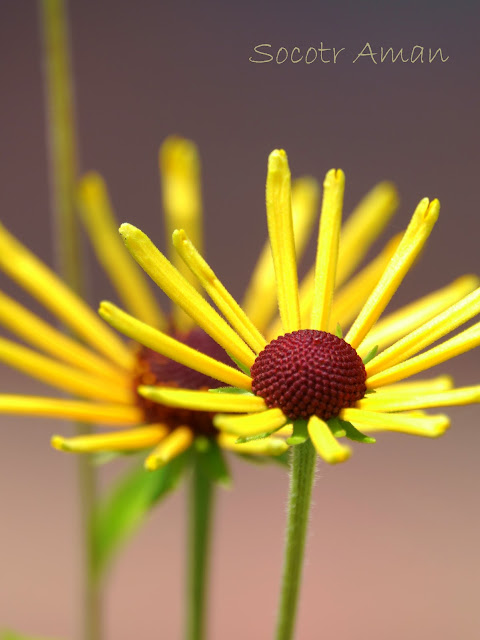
x=200, y=515
x=301, y=483
x=62, y=145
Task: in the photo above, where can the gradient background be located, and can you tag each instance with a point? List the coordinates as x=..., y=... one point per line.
x=393, y=548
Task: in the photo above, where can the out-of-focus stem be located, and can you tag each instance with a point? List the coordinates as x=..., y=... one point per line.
x=61, y=140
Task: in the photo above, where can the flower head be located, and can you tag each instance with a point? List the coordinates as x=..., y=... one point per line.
x=303, y=377
x=93, y=364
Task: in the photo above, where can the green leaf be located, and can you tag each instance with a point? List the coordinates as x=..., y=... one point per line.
x=338, y=331
x=349, y=430
x=241, y=366
x=126, y=506
x=370, y=355
x=300, y=432
x=213, y=463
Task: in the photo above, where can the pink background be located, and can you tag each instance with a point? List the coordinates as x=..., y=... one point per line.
x=392, y=551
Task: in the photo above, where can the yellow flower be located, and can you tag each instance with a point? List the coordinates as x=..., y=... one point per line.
x=93, y=364
x=304, y=376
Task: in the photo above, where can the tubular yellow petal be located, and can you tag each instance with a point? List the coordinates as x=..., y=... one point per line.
x=325, y=443
x=397, y=324
x=179, y=166
x=384, y=401
x=217, y=292
x=182, y=293
x=327, y=249
x=270, y=446
x=349, y=300
x=61, y=376
x=131, y=440
x=98, y=413
x=414, y=424
x=102, y=228
x=280, y=231
x=415, y=236
x=31, y=328
x=260, y=302
x=363, y=226
x=440, y=383
x=172, y=446
x=203, y=400
x=428, y=333
x=36, y=278
x=252, y=424
x=171, y=348
x=464, y=341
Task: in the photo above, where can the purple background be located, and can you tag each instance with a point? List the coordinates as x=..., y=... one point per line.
x=393, y=546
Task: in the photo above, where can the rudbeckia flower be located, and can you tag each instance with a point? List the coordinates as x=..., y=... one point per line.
x=100, y=370
x=304, y=376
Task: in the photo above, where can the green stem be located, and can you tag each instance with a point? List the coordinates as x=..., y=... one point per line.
x=199, y=525
x=301, y=482
x=63, y=177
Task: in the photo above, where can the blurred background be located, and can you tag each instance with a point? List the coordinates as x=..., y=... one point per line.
x=393, y=548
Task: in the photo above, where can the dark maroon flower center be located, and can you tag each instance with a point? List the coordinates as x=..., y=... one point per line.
x=308, y=372
x=155, y=369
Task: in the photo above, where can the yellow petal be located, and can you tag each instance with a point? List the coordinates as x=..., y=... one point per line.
x=260, y=302
x=92, y=412
x=384, y=401
x=171, y=348
x=251, y=424
x=182, y=293
x=31, y=328
x=327, y=249
x=423, y=425
x=179, y=165
x=101, y=225
x=128, y=440
x=325, y=443
x=221, y=297
x=280, y=230
x=349, y=300
x=415, y=236
x=397, y=324
x=440, y=383
x=363, y=226
x=61, y=376
x=172, y=446
x=203, y=400
x=464, y=341
x=265, y=447
x=36, y=278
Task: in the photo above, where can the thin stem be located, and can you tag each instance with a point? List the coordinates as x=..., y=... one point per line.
x=301, y=483
x=199, y=526
x=62, y=146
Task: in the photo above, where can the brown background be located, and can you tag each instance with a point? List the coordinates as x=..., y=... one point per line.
x=393, y=546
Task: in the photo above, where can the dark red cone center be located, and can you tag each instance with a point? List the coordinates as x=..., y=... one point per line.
x=307, y=373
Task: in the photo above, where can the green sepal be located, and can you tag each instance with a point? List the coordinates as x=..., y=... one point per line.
x=283, y=459
x=231, y=390
x=369, y=392
x=212, y=461
x=370, y=355
x=338, y=331
x=98, y=459
x=352, y=433
x=121, y=512
x=241, y=366
x=257, y=436
x=300, y=432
